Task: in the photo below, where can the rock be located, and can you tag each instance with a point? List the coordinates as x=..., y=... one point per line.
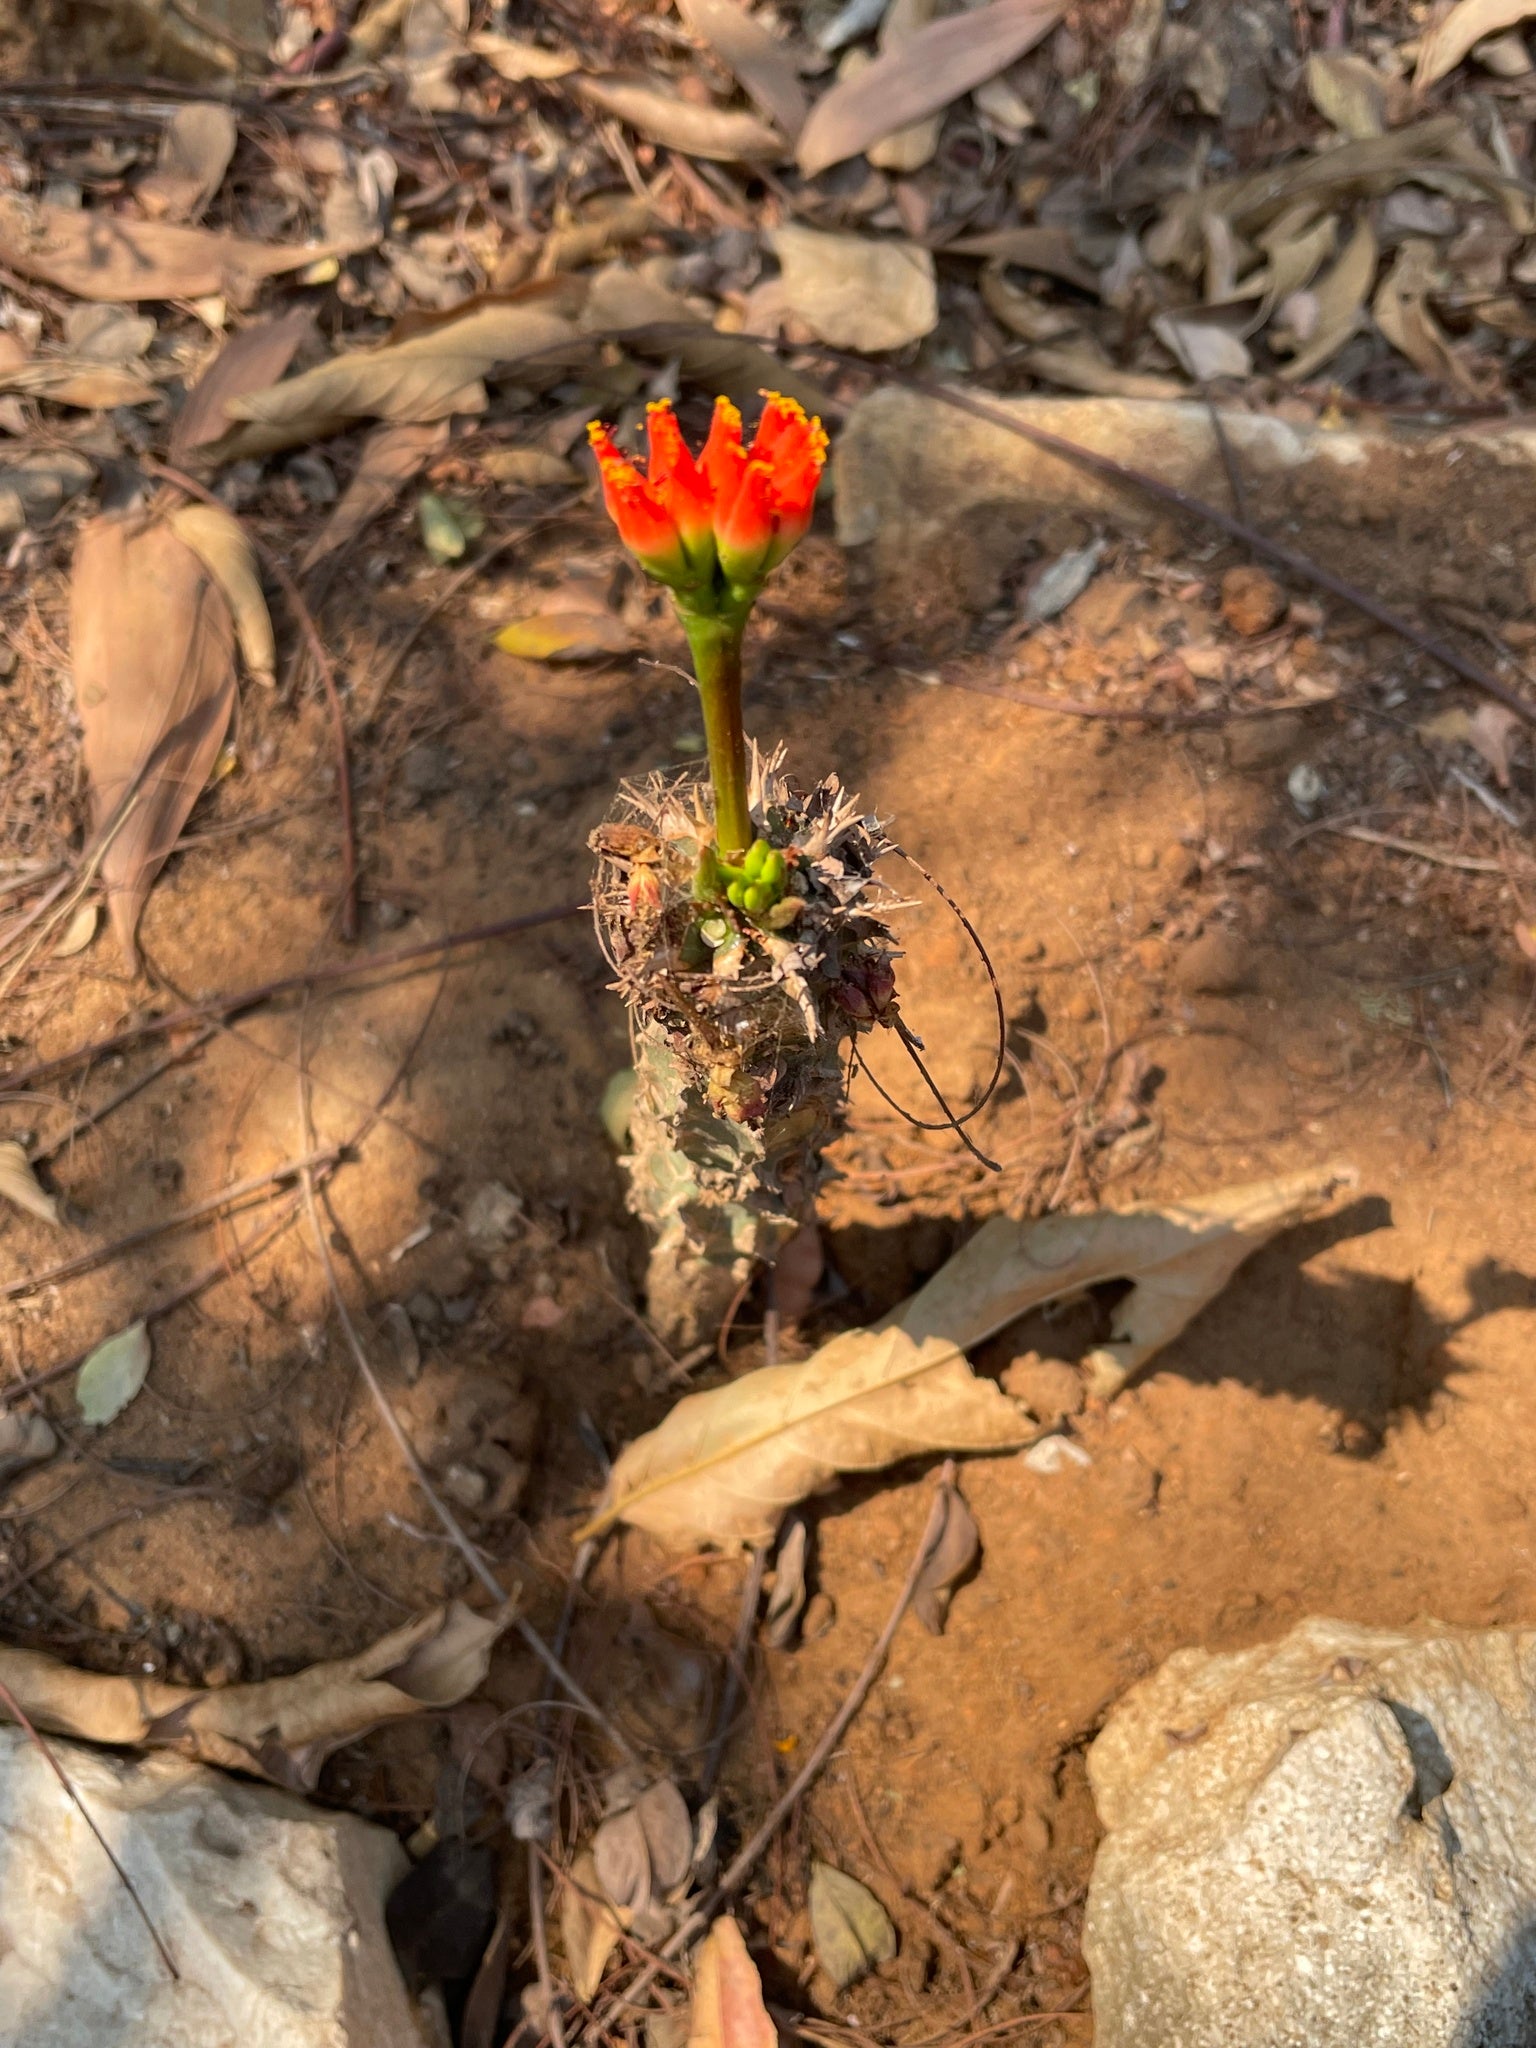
x=273, y=1911
x=1251, y=601
x=1218, y=963
x=1324, y=1842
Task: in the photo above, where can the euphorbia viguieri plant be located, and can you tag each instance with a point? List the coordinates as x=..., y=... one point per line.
x=743, y=932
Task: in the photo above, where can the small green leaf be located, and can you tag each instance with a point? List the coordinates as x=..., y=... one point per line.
x=443, y=533
x=113, y=1374
x=850, y=1927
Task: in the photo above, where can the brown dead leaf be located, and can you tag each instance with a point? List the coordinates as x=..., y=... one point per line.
x=939, y=64
x=19, y=1184
x=101, y=256
x=1050, y=250
x=1340, y=302
x=391, y=457
x=1401, y=311
x=1349, y=92
x=1082, y=365
x=590, y=1928
x=224, y=548
x=248, y=361
x=282, y=1730
x=657, y=113
x=69, y=381
x=856, y=292
x=625, y=301
x=952, y=1556
x=528, y=469
x=518, y=61
x=1469, y=22
x=435, y=370
x=1179, y=1255
x=728, y=2009
x=760, y=63
x=724, y=1465
x=906, y=149
x=1494, y=729
x=153, y=648
x=195, y=151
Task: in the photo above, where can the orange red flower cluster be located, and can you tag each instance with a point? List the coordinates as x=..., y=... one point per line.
x=732, y=513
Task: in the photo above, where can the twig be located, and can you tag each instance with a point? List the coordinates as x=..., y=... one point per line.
x=751, y=1593
x=18, y=1714
x=1473, y=864
x=306, y=624
x=746, y=1860
x=288, y=984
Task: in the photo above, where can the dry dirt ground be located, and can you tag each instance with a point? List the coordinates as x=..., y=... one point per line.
x=1201, y=987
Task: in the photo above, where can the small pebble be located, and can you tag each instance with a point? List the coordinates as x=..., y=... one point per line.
x=1251, y=601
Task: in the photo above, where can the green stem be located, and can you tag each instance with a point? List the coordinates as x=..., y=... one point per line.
x=715, y=640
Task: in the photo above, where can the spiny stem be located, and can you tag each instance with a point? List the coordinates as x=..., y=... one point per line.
x=715, y=641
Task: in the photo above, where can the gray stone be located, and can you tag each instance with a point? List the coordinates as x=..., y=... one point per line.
x=1327, y=1842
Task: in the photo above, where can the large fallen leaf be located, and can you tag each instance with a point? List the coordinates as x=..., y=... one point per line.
x=391, y=457
x=938, y=65
x=1349, y=92
x=152, y=641
x=113, y=1375
x=224, y=548
x=728, y=2009
x=625, y=301
x=692, y=130
x=249, y=361
x=1469, y=22
x=1082, y=365
x=724, y=1465
x=283, y=1729
x=589, y=1927
x=906, y=149
x=1179, y=1255
x=195, y=150
x=759, y=62
x=856, y=292
x=19, y=1184
x=851, y=1929
x=1340, y=300
x=68, y=380
x=98, y=255
x=434, y=371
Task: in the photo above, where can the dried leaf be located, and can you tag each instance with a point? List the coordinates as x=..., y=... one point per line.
x=589, y=1927
x=625, y=301
x=759, y=62
x=224, y=548
x=19, y=1184
x=907, y=149
x=622, y=1864
x=1349, y=93
x=1083, y=366
x=643, y=1853
x=153, y=653
x=728, y=2009
x=1468, y=22
x=1340, y=298
x=1401, y=311
x=79, y=932
x=518, y=61
x=432, y=41
x=1179, y=1255
x=660, y=116
x=113, y=1374
x=528, y=469
x=434, y=371
x=283, y=1729
x=195, y=151
x=851, y=1929
x=357, y=205
x=1136, y=43
x=69, y=381
x=952, y=1556
x=24, y=1440
x=1204, y=347
x=577, y=635
x=786, y=1602
x=856, y=292
x=1493, y=729
x=391, y=456
x=940, y=63
x=851, y=23
x=1050, y=250
x=248, y=361
x=107, y=334
x=97, y=255
x=725, y=1464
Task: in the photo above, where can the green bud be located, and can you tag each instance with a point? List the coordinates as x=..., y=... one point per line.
x=752, y=864
x=755, y=898
x=773, y=870
x=737, y=893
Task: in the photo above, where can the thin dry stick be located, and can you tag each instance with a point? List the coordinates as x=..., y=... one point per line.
x=306, y=624
x=745, y=1862
x=1471, y=864
x=288, y=984
x=18, y=1714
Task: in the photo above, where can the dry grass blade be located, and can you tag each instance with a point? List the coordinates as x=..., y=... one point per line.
x=154, y=661
x=1469, y=22
x=248, y=361
x=724, y=1465
x=100, y=256
x=391, y=457
x=940, y=63
x=660, y=116
x=762, y=65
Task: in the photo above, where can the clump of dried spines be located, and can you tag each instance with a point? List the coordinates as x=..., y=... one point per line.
x=738, y=1023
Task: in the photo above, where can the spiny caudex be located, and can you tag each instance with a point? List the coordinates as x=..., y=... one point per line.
x=742, y=916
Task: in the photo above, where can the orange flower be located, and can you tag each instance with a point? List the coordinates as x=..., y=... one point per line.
x=741, y=509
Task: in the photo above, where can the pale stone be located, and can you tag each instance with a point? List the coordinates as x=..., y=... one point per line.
x=1327, y=1842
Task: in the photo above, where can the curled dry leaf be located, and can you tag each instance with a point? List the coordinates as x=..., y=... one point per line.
x=1401, y=311
x=724, y=1465
x=224, y=548
x=1046, y=249
x=248, y=361
x=518, y=61
x=759, y=62
x=113, y=1375
x=96, y=255
x=1205, y=347
x=955, y=1551
x=1082, y=365
x=79, y=932
x=1340, y=301
x=938, y=65
x=1442, y=48
x=283, y=1729
x=1179, y=1255
x=68, y=380
x=728, y=2009
x=1349, y=93
x=590, y=1927
x=19, y=1184
x=851, y=1929
x=644, y=1852
x=660, y=116
x=391, y=456
x=786, y=1600
x=152, y=641
x=856, y=292
x=195, y=152
x=574, y=635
